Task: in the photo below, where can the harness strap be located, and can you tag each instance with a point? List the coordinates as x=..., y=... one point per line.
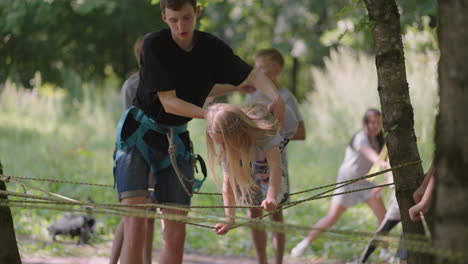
x=176, y=146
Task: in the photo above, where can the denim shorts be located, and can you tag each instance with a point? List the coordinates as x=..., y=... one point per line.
x=132, y=178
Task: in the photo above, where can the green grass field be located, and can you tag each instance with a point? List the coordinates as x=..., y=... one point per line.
x=47, y=134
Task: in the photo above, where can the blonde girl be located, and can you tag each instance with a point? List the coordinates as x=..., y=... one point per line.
x=246, y=143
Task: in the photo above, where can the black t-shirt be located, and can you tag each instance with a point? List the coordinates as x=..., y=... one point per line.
x=165, y=66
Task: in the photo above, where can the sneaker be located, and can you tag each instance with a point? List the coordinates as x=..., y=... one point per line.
x=385, y=255
x=300, y=248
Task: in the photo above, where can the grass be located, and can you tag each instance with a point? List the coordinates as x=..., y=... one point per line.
x=47, y=134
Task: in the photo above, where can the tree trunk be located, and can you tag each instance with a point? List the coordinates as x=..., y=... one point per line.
x=397, y=111
x=8, y=247
x=451, y=163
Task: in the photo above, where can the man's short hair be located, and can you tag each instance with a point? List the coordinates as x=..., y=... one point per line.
x=271, y=53
x=176, y=4
x=137, y=48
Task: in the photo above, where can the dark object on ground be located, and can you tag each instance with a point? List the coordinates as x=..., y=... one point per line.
x=73, y=225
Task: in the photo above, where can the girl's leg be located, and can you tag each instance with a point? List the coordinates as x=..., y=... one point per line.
x=334, y=213
x=117, y=243
x=378, y=207
x=384, y=228
x=278, y=238
x=259, y=237
x=173, y=239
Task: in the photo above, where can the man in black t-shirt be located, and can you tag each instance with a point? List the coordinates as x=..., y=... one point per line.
x=179, y=69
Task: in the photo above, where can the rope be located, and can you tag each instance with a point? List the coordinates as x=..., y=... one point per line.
x=172, y=150
x=360, y=178
x=44, y=191
x=7, y=178
x=357, y=237
x=136, y=213
x=254, y=223
x=345, y=183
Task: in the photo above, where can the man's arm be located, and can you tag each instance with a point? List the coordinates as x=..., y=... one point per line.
x=224, y=89
x=176, y=106
x=221, y=89
x=258, y=80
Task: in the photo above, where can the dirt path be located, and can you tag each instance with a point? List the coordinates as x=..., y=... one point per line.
x=98, y=254
x=188, y=259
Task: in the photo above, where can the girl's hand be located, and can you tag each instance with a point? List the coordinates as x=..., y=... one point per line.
x=269, y=204
x=222, y=228
x=414, y=212
x=385, y=165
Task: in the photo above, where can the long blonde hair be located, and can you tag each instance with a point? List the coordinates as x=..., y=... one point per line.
x=239, y=130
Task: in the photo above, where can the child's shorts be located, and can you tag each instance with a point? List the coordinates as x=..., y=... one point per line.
x=132, y=178
x=262, y=180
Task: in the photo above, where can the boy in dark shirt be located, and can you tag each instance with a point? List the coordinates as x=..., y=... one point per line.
x=179, y=67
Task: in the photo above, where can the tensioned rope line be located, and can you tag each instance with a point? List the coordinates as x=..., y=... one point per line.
x=8, y=177
x=137, y=213
x=411, y=245
x=315, y=197
x=255, y=223
x=340, y=186
x=367, y=176
x=275, y=226
x=129, y=211
x=289, y=204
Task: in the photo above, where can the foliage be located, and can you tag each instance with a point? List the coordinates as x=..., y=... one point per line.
x=84, y=37
x=87, y=38
x=347, y=86
x=306, y=30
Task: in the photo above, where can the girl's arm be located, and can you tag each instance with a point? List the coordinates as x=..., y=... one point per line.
x=229, y=200
x=373, y=156
x=425, y=203
x=418, y=194
x=273, y=157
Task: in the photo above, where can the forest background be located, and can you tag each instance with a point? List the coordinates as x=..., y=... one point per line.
x=64, y=61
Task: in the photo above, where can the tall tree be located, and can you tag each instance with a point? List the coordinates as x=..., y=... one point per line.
x=398, y=118
x=8, y=247
x=451, y=230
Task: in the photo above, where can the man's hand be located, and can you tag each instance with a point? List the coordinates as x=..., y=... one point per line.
x=278, y=108
x=269, y=205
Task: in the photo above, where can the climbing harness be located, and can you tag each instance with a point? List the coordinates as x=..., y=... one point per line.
x=176, y=147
